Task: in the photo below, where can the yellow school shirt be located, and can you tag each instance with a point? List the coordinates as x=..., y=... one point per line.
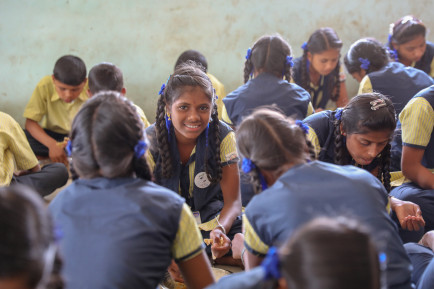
x=52, y=113
x=142, y=116
x=15, y=151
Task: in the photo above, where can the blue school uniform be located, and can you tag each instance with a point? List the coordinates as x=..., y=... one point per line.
x=321, y=95
x=399, y=82
x=426, y=63
x=118, y=233
x=320, y=189
x=417, y=120
x=266, y=89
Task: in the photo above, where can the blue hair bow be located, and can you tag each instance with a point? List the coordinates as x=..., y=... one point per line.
x=140, y=148
x=249, y=53
x=271, y=265
x=289, y=61
x=68, y=148
x=162, y=89
x=338, y=114
x=247, y=166
x=393, y=54
x=303, y=126
x=304, y=46
x=364, y=63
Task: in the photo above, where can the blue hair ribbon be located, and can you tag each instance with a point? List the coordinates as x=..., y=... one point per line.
x=289, y=61
x=68, y=148
x=304, y=46
x=271, y=265
x=364, y=63
x=249, y=54
x=247, y=165
x=163, y=86
x=140, y=148
x=393, y=54
x=338, y=114
x=206, y=135
x=303, y=126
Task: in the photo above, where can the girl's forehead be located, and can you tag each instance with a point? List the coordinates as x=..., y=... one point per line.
x=375, y=136
x=192, y=94
x=329, y=53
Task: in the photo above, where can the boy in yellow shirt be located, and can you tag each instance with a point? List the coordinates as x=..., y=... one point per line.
x=19, y=164
x=53, y=105
x=107, y=76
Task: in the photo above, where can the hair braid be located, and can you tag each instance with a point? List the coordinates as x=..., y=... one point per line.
x=305, y=78
x=287, y=73
x=215, y=124
x=341, y=152
x=337, y=82
x=384, y=170
x=165, y=160
x=140, y=165
x=248, y=68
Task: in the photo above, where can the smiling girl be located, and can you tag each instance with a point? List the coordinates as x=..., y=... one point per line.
x=409, y=46
x=194, y=154
x=319, y=70
x=359, y=134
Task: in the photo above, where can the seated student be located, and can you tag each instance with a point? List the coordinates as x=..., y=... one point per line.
x=422, y=258
x=409, y=46
x=359, y=134
x=269, y=64
x=296, y=191
x=367, y=61
x=319, y=70
x=196, y=56
x=194, y=153
x=121, y=230
x=54, y=103
x=19, y=164
x=417, y=119
x=326, y=253
x=107, y=76
x=29, y=257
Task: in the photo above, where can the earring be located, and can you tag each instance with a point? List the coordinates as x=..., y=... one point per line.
x=168, y=123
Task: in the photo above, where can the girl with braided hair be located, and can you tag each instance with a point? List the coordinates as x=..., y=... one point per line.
x=194, y=154
x=121, y=230
x=407, y=44
x=367, y=61
x=267, y=77
x=319, y=70
x=360, y=134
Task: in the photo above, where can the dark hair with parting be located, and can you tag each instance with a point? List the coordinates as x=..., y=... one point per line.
x=186, y=75
x=270, y=140
x=366, y=49
x=358, y=117
x=321, y=40
x=268, y=54
x=105, y=76
x=331, y=253
x=28, y=249
x=70, y=70
x=405, y=30
x=195, y=56
x=103, y=138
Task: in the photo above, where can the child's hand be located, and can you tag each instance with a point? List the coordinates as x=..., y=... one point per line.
x=175, y=273
x=221, y=243
x=409, y=215
x=57, y=154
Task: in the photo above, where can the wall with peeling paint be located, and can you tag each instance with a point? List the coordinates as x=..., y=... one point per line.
x=144, y=38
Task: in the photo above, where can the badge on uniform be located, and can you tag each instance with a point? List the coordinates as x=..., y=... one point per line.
x=201, y=180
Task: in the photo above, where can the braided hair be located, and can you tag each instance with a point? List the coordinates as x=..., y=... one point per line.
x=270, y=140
x=321, y=40
x=268, y=54
x=366, y=49
x=359, y=117
x=104, y=136
x=186, y=75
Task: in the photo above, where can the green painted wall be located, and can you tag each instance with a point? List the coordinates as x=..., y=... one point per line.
x=144, y=38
